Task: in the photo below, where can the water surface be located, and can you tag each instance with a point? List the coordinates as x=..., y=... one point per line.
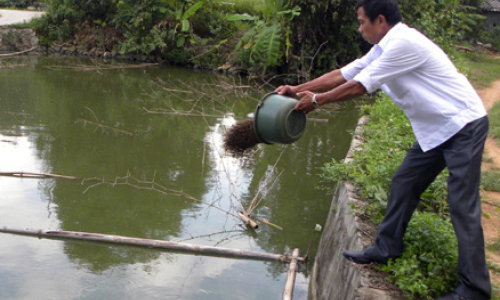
x=136, y=137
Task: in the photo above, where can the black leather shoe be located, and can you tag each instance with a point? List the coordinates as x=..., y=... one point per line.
x=452, y=296
x=359, y=257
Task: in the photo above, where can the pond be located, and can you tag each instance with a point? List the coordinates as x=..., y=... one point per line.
x=145, y=144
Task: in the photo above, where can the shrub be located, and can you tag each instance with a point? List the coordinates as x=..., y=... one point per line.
x=17, y=3
x=387, y=137
x=428, y=267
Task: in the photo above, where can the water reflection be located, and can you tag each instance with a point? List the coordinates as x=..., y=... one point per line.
x=161, y=126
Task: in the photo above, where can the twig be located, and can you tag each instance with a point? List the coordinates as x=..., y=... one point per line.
x=247, y=220
x=491, y=203
x=96, y=68
x=314, y=56
x=99, y=125
x=18, y=53
x=159, y=111
x=268, y=223
x=317, y=120
x=210, y=234
x=36, y=175
x=131, y=181
x=254, y=203
x=11, y=66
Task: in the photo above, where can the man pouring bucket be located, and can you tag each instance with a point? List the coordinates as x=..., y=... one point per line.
x=450, y=125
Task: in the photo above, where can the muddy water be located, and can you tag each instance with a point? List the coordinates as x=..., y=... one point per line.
x=135, y=137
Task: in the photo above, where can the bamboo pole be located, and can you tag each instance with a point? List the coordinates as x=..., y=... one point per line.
x=151, y=243
x=246, y=219
x=292, y=271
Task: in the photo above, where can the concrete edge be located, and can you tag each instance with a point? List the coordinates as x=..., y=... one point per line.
x=333, y=277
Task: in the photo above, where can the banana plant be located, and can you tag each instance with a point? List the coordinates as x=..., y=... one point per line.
x=269, y=39
x=182, y=16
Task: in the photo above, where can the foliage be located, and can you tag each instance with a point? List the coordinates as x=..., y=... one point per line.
x=491, y=37
x=271, y=37
x=324, y=37
x=494, y=117
x=17, y=3
x=139, y=20
x=444, y=21
x=172, y=29
x=428, y=267
x=268, y=41
x=387, y=137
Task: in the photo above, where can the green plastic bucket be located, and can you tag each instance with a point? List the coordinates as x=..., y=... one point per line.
x=277, y=121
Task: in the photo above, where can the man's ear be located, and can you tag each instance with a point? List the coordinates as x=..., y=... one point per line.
x=381, y=19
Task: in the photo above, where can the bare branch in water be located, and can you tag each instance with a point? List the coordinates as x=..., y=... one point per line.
x=102, y=126
x=129, y=180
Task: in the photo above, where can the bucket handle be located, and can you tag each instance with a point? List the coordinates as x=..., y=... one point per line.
x=261, y=102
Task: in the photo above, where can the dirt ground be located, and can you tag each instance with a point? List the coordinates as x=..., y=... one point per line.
x=491, y=200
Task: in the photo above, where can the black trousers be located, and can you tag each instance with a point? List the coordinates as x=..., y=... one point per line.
x=462, y=155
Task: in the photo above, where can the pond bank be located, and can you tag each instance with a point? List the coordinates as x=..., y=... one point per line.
x=19, y=40
x=334, y=278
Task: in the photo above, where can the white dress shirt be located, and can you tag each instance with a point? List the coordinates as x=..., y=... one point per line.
x=422, y=80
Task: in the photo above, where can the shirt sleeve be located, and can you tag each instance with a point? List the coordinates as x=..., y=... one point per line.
x=352, y=69
x=400, y=57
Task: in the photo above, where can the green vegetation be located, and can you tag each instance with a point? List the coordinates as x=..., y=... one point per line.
x=422, y=263
x=490, y=181
x=494, y=116
x=296, y=37
x=387, y=138
x=481, y=67
x=18, y=3
x=304, y=39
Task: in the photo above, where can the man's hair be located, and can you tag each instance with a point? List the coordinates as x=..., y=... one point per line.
x=388, y=8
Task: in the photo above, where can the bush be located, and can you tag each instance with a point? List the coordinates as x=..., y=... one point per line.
x=428, y=267
x=17, y=3
x=387, y=137
x=491, y=37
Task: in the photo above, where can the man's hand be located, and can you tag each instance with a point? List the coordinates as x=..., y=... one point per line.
x=287, y=90
x=305, y=104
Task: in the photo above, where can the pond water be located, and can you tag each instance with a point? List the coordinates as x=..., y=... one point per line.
x=135, y=138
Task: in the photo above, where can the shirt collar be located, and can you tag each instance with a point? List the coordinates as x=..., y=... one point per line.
x=383, y=42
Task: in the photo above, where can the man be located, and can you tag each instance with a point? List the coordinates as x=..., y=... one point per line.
x=449, y=122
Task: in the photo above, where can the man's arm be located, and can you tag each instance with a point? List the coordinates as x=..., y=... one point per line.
x=325, y=82
x=343, y=92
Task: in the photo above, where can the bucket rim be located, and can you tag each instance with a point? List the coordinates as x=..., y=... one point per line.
x=294, y=136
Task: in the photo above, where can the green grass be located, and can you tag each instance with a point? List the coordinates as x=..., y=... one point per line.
x=482, y=68
x=494, y=116
x=240, y=6
x=490, y=181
